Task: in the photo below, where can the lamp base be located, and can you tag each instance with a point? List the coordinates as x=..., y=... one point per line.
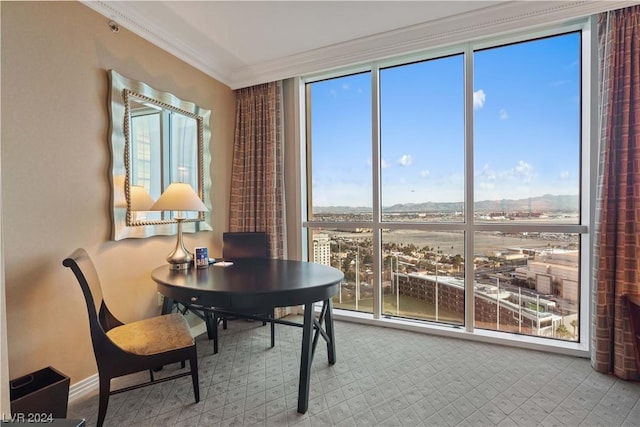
x=179, y=258
x=180, y=266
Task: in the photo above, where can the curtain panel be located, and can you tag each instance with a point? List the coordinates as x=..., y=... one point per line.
x=617, y=234
x=257, y=175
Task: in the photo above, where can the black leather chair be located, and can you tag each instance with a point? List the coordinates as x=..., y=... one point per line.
x=240, y=245
x=122, y=349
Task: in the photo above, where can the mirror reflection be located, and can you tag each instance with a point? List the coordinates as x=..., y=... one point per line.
x=164, y=149
x=157, y=139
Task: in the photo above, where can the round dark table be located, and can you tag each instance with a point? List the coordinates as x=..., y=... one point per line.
x=257, y=283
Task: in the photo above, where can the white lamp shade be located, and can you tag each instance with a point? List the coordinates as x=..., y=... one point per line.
x=179, y=196
x=140, y=198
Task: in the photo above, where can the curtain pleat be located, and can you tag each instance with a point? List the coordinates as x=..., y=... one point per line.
x=617, y=234
x=257, y=176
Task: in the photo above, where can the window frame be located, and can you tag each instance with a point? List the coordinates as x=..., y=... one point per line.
x=588, y=166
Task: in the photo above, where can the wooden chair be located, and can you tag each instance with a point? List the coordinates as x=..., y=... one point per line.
x=122, y=349
x=633, y=306
x=240, y=245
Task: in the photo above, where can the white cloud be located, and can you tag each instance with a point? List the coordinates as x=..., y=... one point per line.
x=345, y=86
x=503, y=114
x=384, y=164
x=478, y=99
x=524, y=171
x=424, y=173
x=405, y=160
x=487, y=173
x=564, y=175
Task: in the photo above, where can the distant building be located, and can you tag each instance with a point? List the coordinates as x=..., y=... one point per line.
x=322, y=249
x=518, y=312
x=553, y=268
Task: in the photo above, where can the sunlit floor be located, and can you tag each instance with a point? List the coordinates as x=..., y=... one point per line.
x=383, y=377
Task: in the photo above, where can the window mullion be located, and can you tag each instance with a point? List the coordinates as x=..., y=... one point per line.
x=589, y=183
x=377, y=209
x=469, y=312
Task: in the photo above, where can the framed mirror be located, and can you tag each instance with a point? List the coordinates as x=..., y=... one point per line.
x=156, y=139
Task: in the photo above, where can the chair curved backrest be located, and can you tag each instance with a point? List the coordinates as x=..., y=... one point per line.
x=138, y=346
x=100, y=318
x=236, y=245
x=87, y=276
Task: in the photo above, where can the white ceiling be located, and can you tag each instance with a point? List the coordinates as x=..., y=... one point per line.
x=252, y=32
x=248, y=42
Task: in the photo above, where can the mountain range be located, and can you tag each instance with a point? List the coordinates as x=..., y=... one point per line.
x=544, y=204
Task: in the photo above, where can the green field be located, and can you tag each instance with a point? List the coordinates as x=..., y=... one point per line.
x=409, y=307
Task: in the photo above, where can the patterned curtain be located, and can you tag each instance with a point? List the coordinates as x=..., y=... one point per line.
x=257, y=177
x=618, y=199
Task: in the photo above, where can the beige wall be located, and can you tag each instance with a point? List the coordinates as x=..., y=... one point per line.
x=4, y=354
x=55, y=176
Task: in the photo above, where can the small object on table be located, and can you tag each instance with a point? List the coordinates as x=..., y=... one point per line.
x=223, y=263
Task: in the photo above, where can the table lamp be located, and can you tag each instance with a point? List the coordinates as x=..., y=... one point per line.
x=179, y=197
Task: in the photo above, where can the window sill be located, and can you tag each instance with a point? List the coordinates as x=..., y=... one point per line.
x=479, y=335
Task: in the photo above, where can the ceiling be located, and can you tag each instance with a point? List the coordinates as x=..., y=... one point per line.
x=247, y=42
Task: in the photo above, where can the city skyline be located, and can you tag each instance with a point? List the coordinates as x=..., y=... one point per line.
x=535, y=288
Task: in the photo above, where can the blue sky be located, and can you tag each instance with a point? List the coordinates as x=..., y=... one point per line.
x=526, y=128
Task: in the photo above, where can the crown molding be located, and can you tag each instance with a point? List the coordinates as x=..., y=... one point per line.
x=122, y=13
x=495, y=20
x=491, y=21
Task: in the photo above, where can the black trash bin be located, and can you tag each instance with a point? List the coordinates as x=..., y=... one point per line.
x=44, y=392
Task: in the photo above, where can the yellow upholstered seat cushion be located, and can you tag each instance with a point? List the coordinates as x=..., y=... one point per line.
x=154, y=335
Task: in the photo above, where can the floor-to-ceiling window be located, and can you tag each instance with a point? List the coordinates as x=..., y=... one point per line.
x=448, y=186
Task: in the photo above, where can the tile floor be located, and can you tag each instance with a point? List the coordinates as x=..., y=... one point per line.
x=383, y=377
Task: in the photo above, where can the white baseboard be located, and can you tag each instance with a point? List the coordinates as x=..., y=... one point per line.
x=83, y=388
